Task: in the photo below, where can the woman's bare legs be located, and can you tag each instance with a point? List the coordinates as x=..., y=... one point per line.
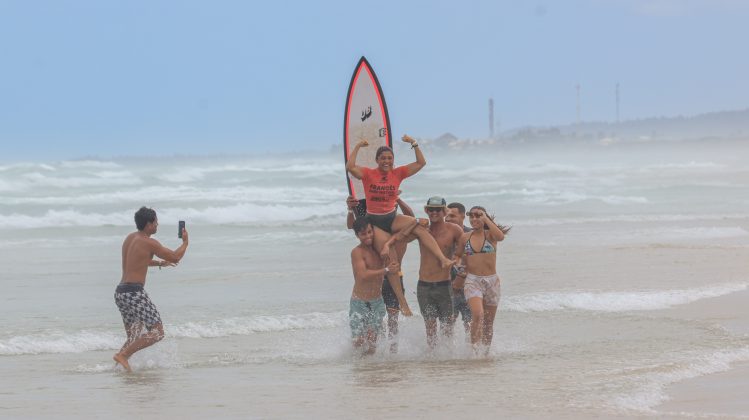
x=482, y=323
x=489, y=313
x=477, y=319
x=380, y=237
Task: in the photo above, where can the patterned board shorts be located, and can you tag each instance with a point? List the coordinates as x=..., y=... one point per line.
x=485, y=287
x=135, y=306
x=366, y=315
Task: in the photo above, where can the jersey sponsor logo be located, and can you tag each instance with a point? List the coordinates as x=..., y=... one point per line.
x=381, y=188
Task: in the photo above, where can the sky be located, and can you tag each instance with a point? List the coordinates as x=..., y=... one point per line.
x=106, y=78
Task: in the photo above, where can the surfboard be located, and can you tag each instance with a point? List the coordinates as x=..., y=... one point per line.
x=366, y=118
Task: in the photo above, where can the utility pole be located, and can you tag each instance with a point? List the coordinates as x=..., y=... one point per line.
x=617, y=102
x=577, y=87
x=491, y=118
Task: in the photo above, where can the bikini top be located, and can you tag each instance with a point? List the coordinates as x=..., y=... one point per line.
x=487, y=248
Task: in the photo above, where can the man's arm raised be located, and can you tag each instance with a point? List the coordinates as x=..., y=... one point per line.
x=167, y=254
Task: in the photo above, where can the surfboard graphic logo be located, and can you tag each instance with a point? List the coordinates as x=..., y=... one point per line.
x=366, y=114
x=366, y=117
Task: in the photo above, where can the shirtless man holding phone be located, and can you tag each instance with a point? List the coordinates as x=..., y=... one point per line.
x=137, y=310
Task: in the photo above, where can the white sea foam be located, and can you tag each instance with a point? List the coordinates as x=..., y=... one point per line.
x=199, y=173
x=292, y=235
x=6, y=186
x=190, y=194
x=678, y=233
x=552, y=198
x=547, y=197
x=628, y=218
x=650, y=391
x=63, y=218
x=648, y=300
x=244, y=213
x=96, y=368
x=244, y=326
x=60, y=243
x=689, y=166
x=252, y=213
x=59, y=342
x=87, y=340
x=27, y=165
x=97, y=179
x=484, y=171
x=74, y=164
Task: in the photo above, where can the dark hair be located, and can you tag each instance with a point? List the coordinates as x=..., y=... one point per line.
x=504, y=229
x=381, y=150
x=461, y=208
x=144, y=216
x=360, y=225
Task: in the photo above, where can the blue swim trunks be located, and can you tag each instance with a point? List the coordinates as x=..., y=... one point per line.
x=365, y=315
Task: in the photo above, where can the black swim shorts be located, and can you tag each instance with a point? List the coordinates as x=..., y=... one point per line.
x=382, y=221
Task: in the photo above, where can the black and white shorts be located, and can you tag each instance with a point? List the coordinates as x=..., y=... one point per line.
x=135, y=306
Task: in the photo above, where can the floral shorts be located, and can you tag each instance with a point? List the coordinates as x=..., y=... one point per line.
x=485, y=287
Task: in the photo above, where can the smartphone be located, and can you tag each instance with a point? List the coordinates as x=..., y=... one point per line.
x=180, y=227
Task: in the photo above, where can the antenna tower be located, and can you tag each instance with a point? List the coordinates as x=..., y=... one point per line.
x=491, y=118
x=617, y=103
x=577, y=88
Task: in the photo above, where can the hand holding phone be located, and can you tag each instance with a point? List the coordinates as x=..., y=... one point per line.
x=181, y=227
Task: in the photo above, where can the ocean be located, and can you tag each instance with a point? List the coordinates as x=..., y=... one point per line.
x=611, y=248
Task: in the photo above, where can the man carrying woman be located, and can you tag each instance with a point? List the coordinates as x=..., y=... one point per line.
x=394, y=297
x=381, y=186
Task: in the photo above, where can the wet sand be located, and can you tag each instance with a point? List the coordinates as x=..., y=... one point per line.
x=722, y=394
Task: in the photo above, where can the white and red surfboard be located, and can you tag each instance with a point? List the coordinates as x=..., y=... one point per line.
x=366, y=118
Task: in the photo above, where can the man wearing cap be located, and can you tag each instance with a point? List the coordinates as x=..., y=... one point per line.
x=433, y=290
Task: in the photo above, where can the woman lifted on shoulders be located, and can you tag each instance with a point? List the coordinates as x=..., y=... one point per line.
x=381, y=187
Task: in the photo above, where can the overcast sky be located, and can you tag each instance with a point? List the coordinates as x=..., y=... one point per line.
x=106, y=78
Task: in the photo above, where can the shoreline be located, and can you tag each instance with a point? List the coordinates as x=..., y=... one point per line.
x=721, y=394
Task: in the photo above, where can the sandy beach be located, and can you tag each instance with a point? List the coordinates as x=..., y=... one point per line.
x=721, y=394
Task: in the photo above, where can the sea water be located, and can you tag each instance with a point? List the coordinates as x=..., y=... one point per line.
x=605, y=241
